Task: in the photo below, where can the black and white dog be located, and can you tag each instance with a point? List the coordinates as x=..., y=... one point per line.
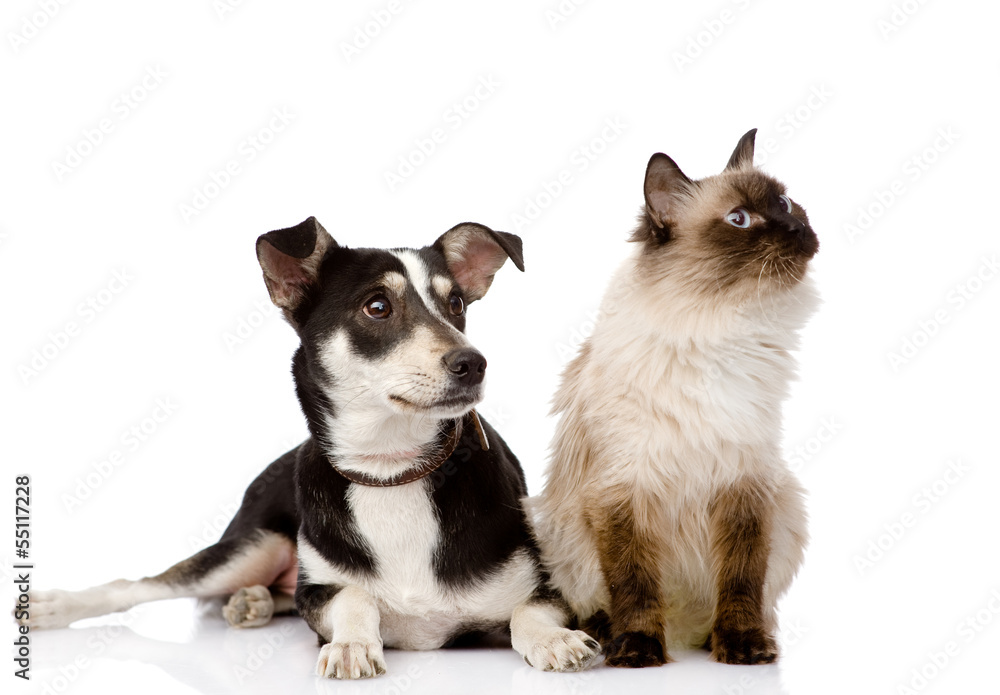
x=399, y=522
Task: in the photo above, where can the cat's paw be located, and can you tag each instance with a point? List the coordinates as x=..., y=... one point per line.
x=753, y=646
x=251, y=606
x=350, y=660
x=562, y=650
x=635, y=650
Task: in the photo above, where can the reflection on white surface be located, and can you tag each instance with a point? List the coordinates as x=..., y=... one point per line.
x=178, y=647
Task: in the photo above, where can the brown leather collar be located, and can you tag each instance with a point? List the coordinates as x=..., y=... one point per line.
x=426, y=467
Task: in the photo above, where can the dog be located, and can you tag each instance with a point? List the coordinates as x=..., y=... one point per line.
x=399, y=522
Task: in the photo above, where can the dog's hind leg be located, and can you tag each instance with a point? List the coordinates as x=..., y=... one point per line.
x=253, y=606
x=259, y=558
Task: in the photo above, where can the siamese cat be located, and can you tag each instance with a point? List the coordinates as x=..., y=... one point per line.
x=669, y=518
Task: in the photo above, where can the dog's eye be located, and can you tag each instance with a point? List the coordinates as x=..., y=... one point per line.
x=378, y=307
x=739, y=218
x=785, y=202
x=456, y=305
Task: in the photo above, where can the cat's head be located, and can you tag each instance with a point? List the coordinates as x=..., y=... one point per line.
x=736, y=233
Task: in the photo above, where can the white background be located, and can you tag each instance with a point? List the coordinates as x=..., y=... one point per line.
x=847, y=101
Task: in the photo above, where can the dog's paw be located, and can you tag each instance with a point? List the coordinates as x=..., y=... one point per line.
x=635, y=650
x=48, y=610
x=251, y=606
x=754, y=646
x=563, y=650
x=350, y=660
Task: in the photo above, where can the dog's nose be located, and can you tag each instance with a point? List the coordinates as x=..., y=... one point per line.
x=468, y=365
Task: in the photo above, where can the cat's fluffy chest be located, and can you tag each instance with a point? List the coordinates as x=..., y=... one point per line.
x=729, y=385
x=696, y=388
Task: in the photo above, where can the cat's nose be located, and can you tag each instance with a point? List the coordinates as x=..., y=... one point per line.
x=805, y=239
x=799, y=230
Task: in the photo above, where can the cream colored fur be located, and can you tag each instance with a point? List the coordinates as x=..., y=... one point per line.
x=676, y=395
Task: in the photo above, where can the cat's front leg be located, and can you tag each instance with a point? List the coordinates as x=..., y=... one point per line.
x=629, y=561
x=741, y=520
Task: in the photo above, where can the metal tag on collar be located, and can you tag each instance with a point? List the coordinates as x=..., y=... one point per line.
x=483, y=442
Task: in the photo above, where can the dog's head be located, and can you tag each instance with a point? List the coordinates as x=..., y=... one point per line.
x=384, y=329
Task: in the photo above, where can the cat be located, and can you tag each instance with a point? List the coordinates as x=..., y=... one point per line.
x=668, y=517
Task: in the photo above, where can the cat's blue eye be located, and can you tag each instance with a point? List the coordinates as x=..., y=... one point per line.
x=785, y=202
x=739, y=218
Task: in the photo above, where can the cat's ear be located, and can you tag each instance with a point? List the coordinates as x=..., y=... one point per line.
x=743, y=154
x=664, y=189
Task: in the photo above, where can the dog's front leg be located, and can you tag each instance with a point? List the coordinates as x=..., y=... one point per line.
x=538, y=634
x=347, y=619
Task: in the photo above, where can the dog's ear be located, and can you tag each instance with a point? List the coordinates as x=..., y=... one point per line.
x=663, y=188
x=475, y=253
x=743, y=154
x=290, y=259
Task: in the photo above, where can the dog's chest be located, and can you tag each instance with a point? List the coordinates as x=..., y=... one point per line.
x=401, y=528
